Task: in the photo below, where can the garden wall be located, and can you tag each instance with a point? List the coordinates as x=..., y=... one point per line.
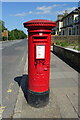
x=69, y=39
x=70, y=55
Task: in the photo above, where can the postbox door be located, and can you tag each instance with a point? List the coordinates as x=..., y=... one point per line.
x=41, y=72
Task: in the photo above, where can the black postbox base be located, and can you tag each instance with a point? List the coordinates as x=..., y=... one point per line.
x=38, y=99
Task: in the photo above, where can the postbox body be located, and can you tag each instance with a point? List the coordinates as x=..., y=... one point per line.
x=39, y=37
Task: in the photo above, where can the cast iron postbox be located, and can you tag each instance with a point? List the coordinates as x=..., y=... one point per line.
x=39, y=37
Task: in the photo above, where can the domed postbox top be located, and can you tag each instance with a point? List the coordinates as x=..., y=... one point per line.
x=39, y=22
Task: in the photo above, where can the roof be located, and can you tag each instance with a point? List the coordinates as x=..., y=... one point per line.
x=58, y=20
x=73, y=12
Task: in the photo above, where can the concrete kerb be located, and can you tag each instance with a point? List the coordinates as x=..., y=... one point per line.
x=8, y=41
x=18, y=105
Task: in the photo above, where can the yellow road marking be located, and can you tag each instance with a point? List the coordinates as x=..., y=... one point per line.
x=2, y=108
x=9, y=90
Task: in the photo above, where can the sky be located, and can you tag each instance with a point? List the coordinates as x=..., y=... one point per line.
x=14, y=14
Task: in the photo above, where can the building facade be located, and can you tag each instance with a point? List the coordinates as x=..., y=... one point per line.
x=59, y=24
x=68, y=24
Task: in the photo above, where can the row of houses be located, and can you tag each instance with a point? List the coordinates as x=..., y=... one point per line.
x=68, y=24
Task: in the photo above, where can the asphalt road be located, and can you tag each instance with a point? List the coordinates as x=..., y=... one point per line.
x=14, y=54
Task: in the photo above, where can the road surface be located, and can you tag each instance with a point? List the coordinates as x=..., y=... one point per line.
x=14, y=55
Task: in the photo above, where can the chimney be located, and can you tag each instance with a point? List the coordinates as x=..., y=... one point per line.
x=66, y=12
x=59, y=17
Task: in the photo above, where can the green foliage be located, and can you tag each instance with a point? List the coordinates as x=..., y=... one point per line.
x=9, y=35
x=4, y=38
x=76, y=48
x=58, y=42
x=16, y=34
x=12, y=35
x=23, y=35
x=2, y=26
x=63, y=44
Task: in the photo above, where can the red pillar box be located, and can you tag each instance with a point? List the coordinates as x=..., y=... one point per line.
x=39, y=37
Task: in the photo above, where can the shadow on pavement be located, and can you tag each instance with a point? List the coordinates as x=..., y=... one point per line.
x=23, y=82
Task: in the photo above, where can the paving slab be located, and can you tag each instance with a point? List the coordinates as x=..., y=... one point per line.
x=65, y=85
x=49, y=111
x=63, y=101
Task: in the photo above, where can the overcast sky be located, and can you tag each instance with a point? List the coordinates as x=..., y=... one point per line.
x=14, y=14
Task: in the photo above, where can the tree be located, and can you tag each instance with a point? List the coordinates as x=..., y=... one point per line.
x=23, y=35
x=16, y=34
x=9, y=35
x=2, y=26
x=0, y=30
x=13, y=34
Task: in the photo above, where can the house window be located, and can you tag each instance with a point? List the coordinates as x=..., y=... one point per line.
x=70, y=31
x=77, y=30
x=72, y=19
x=63, y=32
x=59, y=33
x=68, y=21
x=74, y=31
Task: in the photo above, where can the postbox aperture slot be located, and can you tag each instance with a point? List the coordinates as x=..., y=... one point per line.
x=40, y=51
x=40, y=37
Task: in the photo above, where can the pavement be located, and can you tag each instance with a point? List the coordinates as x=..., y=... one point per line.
x=63, y=100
